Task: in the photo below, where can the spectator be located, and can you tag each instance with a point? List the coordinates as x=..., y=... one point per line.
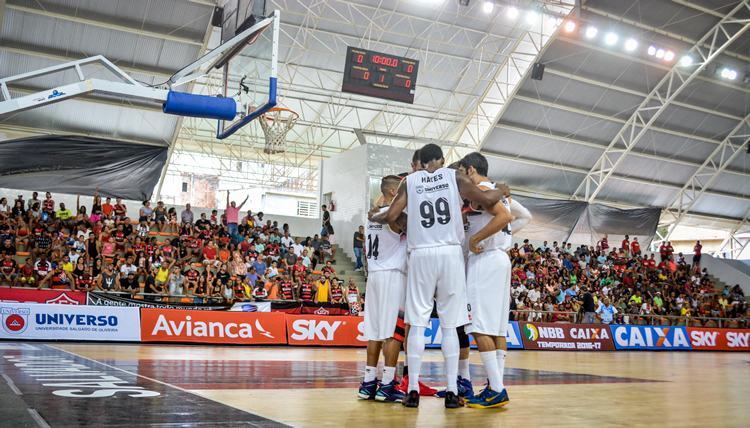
x=697, y=255
x=186, y=216
x=359, y=240
x=322, y=290
x=232, y=212
x=606, y=311
x=327, y=227
x=589, y=310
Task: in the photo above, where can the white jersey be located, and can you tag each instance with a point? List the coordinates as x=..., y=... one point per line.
x=434, y=205
x=386, y=249
x=477, y=220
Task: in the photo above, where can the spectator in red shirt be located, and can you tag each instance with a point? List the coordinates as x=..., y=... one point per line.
x=663, y=251
x=48, y=204
x=670, y=249
x=697, y=255
x=626, y=245
x=635, y=247
x=604, y=244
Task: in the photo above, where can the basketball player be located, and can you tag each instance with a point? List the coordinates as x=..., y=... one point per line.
x=488, y=274
x=386, y=291
x=436, y=269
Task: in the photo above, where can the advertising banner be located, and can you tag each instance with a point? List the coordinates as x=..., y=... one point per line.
x=124, y=300
x=32, y=295
x=325, y=330
x=566, y=337
x=251, y=307
x=435, y=335
x=654, y=338
x=325, y=308
x=719, y=339
x=246, y=328
x=68, y=322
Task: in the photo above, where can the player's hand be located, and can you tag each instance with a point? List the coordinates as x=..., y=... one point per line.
x=503, y=187
x=475, y=246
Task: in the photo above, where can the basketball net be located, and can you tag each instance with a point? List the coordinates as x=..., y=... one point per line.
x=276, y=123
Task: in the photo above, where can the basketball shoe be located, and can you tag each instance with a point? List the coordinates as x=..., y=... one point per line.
x=423, y=389
x=465, y=389
x=453, y=401
x=489, y=399
x=367, y=390
x=389, y=393
x=411, y=400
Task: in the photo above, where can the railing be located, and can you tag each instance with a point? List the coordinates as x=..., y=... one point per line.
x=530, y=315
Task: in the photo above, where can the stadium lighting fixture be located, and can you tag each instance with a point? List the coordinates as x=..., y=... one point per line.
x=668, y=56
x=631, y=45
x=652, y=50
x=660, y=53
x=591, y=32
x=488, y=6
x=610, y=39
x=686, y=61
x=728, y=73
x=532, y=17
x=569, y=27
x=511, y=12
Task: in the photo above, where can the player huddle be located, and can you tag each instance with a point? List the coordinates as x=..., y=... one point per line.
x=438, y=238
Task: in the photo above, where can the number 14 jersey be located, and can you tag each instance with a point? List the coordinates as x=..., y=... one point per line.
x=386, y=249
x=434, y=207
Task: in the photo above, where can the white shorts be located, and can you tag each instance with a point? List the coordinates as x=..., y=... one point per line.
x=488, y=289
x=386, y=292
x=436, y=276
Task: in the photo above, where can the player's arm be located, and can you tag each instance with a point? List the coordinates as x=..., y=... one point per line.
x=472, y=192
x=394, y=210
x=501, y=218
x=521, y=216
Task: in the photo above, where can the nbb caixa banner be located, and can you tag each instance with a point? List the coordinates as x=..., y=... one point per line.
x=566, y=337
x=68, y=322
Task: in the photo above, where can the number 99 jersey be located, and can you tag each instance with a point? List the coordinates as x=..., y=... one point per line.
x=386, y=249
x=434, y=207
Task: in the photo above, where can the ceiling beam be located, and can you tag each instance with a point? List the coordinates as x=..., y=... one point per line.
x=624, y=90
x=602, y=147
x=628, y=179
x=716, y=163
x=109, y=24
x=733, y=241
x=687, y=40
x=721, y=36
x=610, y=118
x=652, y=64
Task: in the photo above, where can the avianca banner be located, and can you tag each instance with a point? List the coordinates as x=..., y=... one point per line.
x=68, y=322
x=434, y=336
x=653, y=338
x=32, y=295
x=325, y=330
x=566, y=337
x=246, y=328
x=719, y=339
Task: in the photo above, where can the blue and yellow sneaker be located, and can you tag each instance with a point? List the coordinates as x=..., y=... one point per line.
x=489, y=399
x=465, y=389
x=367, y=390
x=389, y=393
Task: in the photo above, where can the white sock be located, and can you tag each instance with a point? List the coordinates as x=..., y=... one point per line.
x=463, y=369
x=489, y=359
x=501, y=366
x=388, y=374
x=451, y=349
x=370, y=373
x=415, y=350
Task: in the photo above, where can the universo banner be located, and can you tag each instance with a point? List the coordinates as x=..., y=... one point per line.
x=68, y=322
x=653, y=338
x=435, y=335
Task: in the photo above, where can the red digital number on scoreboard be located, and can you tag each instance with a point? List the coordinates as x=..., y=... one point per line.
x=385, y=60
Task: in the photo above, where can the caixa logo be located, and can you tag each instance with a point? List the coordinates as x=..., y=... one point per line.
x=650, y=337
x=315, y=330
x=15, y=320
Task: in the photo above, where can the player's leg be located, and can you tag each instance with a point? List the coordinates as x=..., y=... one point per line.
x=452, y=310
x=422, y=282
x=373, y=316
x=465, y=388
x=392, y=300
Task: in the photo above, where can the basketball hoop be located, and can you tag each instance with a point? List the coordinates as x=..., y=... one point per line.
x=275, y=123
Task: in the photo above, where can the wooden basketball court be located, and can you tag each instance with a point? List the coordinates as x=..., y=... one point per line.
x=313, y=387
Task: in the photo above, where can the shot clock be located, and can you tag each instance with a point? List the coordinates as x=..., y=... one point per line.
x=380, y=75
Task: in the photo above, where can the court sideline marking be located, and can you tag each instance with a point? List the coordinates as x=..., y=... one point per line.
x=157, y=381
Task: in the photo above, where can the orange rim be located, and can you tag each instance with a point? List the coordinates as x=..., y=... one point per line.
x=269, y=118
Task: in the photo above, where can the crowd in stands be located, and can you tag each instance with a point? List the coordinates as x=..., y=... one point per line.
x=618, y=285
x=230, y=256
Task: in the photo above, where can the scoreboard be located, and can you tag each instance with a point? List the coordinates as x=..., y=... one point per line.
x=380, y=75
